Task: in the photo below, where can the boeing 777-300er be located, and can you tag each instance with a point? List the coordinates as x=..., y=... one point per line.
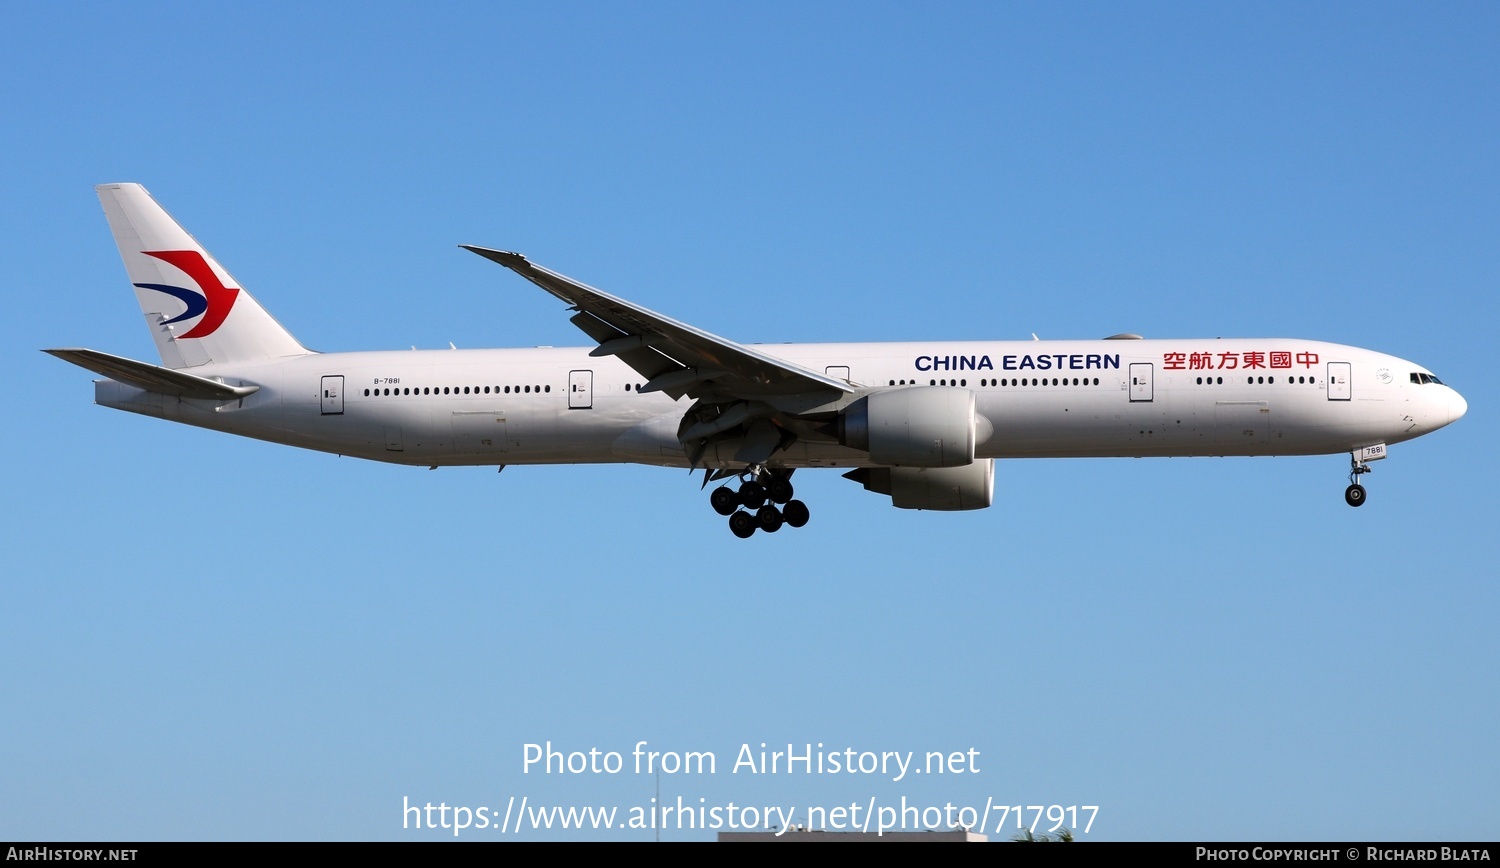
x=921, y=423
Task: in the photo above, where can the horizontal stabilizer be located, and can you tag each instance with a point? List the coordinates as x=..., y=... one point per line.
x=152, y=378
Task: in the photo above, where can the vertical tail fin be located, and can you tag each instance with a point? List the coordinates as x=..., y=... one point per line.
x=196, y=311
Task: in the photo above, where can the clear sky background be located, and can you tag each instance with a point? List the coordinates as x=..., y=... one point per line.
x=211, y=637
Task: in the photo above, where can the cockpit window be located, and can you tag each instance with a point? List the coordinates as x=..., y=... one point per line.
x=1422, y=379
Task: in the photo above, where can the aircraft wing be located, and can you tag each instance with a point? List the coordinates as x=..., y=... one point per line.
x=673, y=357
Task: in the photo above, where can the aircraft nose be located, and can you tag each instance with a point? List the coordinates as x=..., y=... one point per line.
x=1457, y=406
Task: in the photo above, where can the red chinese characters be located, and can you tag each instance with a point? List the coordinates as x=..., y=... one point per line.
x=1229, y=361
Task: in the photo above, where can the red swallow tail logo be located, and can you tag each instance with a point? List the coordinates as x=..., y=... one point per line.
x=212, y=299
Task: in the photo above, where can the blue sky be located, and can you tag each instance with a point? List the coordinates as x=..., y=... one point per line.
x=211, y=638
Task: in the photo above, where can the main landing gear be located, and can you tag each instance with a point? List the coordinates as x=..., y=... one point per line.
x=760, y=493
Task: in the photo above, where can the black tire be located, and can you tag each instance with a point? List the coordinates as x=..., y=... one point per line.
x=779, y=489
x=1354, y=495
x=753, y=495
x=742, y=525
x=795, y=512
x=769, y=518
x=724, y=500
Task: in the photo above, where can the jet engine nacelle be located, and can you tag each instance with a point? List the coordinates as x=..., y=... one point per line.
x=923, y=426
x=941, y=488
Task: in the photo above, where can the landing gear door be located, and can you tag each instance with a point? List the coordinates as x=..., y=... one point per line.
x=1339, y=375
x=1140, y=381
x=331, y=398
x=580, y=390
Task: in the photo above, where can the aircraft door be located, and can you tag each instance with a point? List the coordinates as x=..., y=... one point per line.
x=332, y=396
x=1339, y=375
x=580, y=390
x=1140, y=381
x=838, y=372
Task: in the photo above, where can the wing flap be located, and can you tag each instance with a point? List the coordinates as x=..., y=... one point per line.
x=152, y=378
x=644, y=360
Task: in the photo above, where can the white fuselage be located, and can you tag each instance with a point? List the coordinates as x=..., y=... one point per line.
x=1042, y=398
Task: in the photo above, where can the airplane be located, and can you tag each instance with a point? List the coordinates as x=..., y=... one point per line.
x=919, y=422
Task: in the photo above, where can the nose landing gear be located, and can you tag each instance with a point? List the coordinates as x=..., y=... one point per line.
x=1359, y=465
x=760, y=493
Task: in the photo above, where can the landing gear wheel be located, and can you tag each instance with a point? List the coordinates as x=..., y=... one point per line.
x=795, y=512
x=753, y=494
x=769, y=518
x=1354, y=495
x=724, y=500
x=743, y=525
x=779, y=489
